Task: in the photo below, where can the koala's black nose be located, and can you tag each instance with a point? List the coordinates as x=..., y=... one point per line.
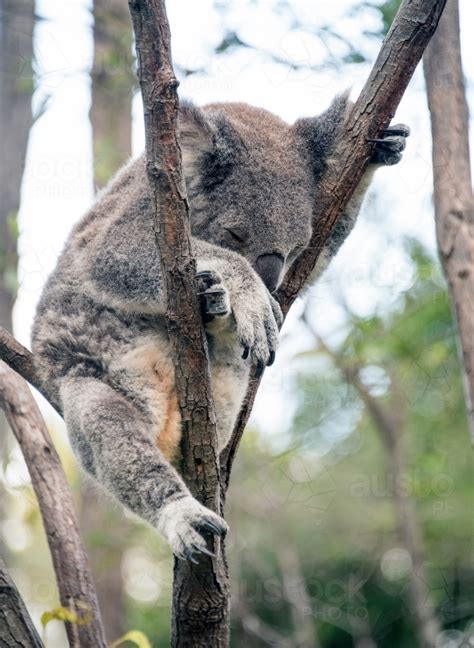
x=269, y=267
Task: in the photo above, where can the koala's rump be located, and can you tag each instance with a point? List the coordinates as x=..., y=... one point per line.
x=146, y=373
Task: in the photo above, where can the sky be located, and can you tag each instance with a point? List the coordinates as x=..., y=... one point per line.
x=372, y=269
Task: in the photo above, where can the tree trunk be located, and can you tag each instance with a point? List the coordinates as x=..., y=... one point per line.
x=103, y=528
x=16, y=626
x=16, y=90
x=453, y=197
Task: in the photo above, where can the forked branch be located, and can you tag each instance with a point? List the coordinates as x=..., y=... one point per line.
x=401, y=52
x=76, y=589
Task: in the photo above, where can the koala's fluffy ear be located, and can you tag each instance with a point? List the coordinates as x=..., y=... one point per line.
x=208, y=145
x=195, y=133
x=318, y=135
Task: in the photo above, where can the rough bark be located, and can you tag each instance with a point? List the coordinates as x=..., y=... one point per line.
x=103, y=527
x=401, y=52
x=75, y=586
x=389, y=425
x=16, y=626
x=200, y=592
x=453, y=196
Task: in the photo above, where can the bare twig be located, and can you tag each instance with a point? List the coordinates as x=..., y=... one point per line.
x=401, y=52
x=75, y=585
x=16, y=626
x=454, y=201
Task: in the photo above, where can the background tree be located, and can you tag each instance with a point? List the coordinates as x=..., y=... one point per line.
x=453, y=197
x=16, y=91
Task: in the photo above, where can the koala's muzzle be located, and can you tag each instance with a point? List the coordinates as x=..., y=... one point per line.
x=269, y=267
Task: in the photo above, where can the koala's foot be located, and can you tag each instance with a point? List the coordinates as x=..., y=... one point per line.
x=182, y=523
x=214, y=297
x=388, y=149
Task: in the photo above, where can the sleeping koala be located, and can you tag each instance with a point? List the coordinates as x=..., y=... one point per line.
x=100, y=331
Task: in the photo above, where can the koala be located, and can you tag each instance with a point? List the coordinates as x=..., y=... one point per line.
x=100, y=331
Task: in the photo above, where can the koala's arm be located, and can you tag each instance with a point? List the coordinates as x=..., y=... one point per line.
x=122, y=265
x=321, y=135
x=123, y=270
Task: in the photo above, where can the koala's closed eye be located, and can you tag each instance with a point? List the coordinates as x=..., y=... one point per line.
x=238, y=235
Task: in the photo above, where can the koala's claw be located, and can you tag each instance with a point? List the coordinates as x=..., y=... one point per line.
x=401, y=130
x=242, y=302
x=204, y=550
x=182, y=523
x=389, y=148
x=259, y=369
x=210, y=526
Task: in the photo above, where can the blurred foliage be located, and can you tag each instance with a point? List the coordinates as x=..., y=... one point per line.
x=329, y=495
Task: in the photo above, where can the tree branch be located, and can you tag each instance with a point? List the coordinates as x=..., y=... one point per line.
x=453, y=197
x=21, y=360
x=16, y=626
x=75, y=584
x=401, y=52
x=200, y=592
x=171, y=211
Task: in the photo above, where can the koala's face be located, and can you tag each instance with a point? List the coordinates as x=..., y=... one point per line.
x=250, y=184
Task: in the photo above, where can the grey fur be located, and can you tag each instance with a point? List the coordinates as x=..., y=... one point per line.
x=100, y=331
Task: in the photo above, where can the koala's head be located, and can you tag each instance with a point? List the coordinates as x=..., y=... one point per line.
x=252, y=179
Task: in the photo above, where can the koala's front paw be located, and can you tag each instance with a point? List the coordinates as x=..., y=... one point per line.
x=389, y=148
x=256, y=313
x=215, y=302
x=258, y=318
x=183, y=521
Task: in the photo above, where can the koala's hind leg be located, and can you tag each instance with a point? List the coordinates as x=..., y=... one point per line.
x=106, y=428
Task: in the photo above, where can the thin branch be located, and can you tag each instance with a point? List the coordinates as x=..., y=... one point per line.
x=453, y=196
x=16, y=626
x=21, y=360
x=401, y=52
x=70, y=563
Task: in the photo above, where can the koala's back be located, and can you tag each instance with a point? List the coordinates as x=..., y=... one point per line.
x=78, y=331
